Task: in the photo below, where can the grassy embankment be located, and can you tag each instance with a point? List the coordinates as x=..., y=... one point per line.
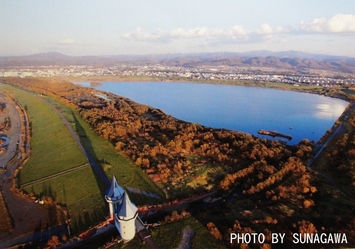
x=113, y=163
x=53, y=150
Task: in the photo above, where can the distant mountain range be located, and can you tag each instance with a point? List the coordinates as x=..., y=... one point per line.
x=287, y=60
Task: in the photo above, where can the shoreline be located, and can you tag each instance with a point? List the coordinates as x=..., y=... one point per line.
x=324, y=91
x=316, y=141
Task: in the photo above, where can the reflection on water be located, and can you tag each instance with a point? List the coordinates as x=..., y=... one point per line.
x=246, y=109
x=329, y=111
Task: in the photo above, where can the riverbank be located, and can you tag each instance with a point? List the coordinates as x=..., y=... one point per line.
x=238, y=108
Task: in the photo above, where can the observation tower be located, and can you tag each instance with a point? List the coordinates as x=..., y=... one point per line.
x=122, y=210
x=114, y=196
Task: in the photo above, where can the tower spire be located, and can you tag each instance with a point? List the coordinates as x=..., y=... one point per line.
x=122, y=210
x=125, y=218
x=127, y=210
x=114, y=196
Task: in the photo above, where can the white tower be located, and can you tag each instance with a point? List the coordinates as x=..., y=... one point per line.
x=125, y=218
x=122, y=210
x=114, y=196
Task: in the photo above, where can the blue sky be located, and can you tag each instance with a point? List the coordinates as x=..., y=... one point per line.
x=112, y=27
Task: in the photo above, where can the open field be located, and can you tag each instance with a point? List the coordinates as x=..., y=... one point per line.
x=52, y=151
x=98, y=79
x=78, y=196
x=52, y=147
x=113, y=163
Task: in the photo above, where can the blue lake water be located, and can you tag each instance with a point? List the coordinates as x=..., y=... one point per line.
x=246, y=109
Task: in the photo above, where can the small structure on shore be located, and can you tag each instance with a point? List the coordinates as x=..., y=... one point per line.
x=274, y=134
x=122, y=210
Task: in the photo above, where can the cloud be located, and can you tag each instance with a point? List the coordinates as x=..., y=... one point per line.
x=207, y=33
x=140, y=35
x=340, y=23
x=233, y=34
x=189, y=33
x=266, y=29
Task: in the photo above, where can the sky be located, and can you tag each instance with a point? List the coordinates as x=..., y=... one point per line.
x=116, y=27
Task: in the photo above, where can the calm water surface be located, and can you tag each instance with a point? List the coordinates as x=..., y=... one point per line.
x=246, y=109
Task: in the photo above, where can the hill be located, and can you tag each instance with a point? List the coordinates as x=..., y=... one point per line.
x=294, y=61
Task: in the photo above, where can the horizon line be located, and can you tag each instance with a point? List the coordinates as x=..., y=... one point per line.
x=188, y=53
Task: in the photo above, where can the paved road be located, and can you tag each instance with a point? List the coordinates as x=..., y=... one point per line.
x=13, y=134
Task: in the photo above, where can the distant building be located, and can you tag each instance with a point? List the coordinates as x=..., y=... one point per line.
x=122, y=210
x=11, y=74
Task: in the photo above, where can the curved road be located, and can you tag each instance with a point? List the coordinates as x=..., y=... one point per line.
x=26, y=215
x=14, y=134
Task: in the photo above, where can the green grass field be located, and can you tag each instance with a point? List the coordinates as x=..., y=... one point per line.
x=78, y=190
x=113, y=163
x=53, y=149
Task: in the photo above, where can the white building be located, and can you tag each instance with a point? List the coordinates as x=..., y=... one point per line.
x=114, y=196
x=122, y=210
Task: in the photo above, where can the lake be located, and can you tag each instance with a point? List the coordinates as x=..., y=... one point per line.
x=247, y=109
